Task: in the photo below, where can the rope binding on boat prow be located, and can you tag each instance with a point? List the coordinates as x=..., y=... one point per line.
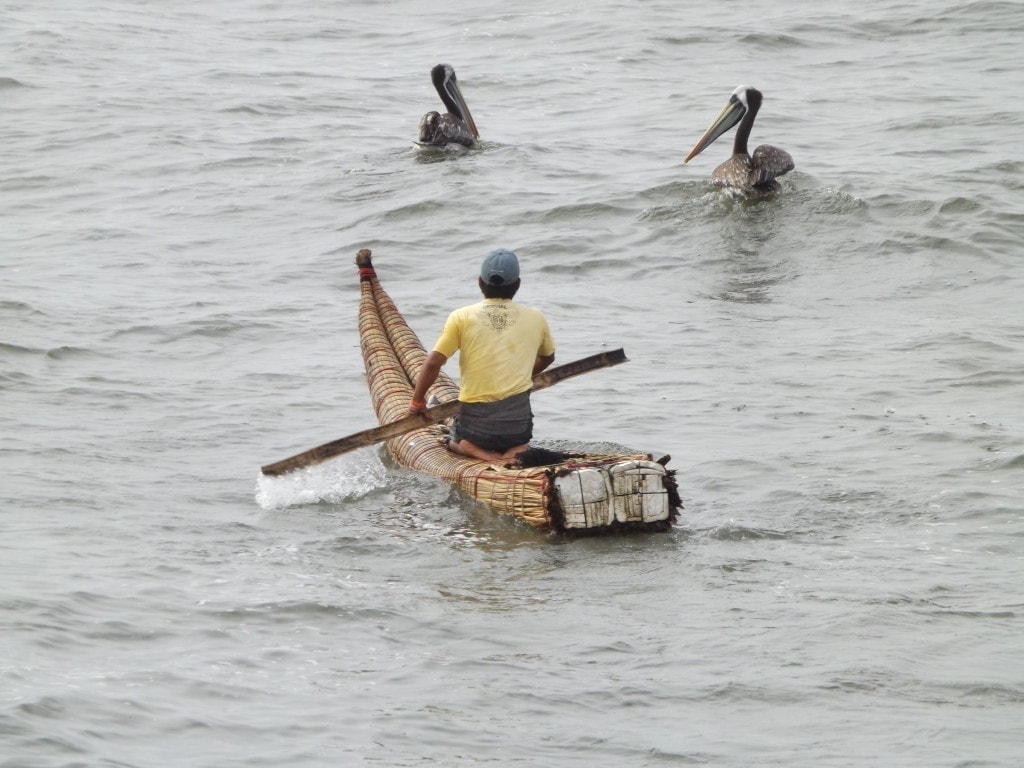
x=365, y=265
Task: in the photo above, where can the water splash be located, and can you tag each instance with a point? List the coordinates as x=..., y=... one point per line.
x=346, y=477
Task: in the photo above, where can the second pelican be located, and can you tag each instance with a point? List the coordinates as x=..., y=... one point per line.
x=742, y=171
x=455, y=126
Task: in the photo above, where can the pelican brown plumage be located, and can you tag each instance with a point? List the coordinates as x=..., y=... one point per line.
x=742, y=171
x=455, y=126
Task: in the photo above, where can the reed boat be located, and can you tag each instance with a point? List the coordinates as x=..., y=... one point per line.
x=581, y=494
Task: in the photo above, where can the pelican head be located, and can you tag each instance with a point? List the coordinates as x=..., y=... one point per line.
x=743, y=100
x=430, y=125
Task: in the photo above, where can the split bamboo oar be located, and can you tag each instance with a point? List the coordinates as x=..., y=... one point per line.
x=416, y=421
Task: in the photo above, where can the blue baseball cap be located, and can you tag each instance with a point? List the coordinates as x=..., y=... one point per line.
x=500, y=267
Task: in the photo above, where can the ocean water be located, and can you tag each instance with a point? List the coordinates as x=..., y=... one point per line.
x=836, y=371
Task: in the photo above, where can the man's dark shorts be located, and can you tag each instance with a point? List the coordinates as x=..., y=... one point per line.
x=495, y=426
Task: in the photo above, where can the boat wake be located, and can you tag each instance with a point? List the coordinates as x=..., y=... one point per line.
x=346, y=477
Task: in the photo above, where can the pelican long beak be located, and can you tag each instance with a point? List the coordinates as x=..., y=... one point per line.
x=453, y=90
x=727, y=118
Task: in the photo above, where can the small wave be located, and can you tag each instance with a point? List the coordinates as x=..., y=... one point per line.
x=581, y=212
x=66, y=353
x=15, y=183
x=771, y=42
x=348, y=477
x=19, y=306
x=1016, y=463
x=243, y=161
x=735, y=532
x=17, y=349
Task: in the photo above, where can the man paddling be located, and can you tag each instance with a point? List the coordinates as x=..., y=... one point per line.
x=502, y=345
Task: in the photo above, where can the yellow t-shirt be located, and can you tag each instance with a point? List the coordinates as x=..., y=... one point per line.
x=498, y=342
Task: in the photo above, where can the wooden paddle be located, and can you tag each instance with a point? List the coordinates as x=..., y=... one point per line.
x=416, y=421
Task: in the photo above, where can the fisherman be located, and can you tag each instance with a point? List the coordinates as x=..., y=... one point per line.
x=502, y=345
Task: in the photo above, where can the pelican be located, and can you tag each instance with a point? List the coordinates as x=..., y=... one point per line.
x=455, y=126
x=741, y=171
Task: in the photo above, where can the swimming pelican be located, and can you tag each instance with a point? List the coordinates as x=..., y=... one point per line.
x=741, y=171
x=455, y=126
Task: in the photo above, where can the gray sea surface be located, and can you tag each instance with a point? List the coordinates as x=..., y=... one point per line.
x=837, y=372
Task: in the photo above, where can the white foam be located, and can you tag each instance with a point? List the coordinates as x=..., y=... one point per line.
x=346, y=477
